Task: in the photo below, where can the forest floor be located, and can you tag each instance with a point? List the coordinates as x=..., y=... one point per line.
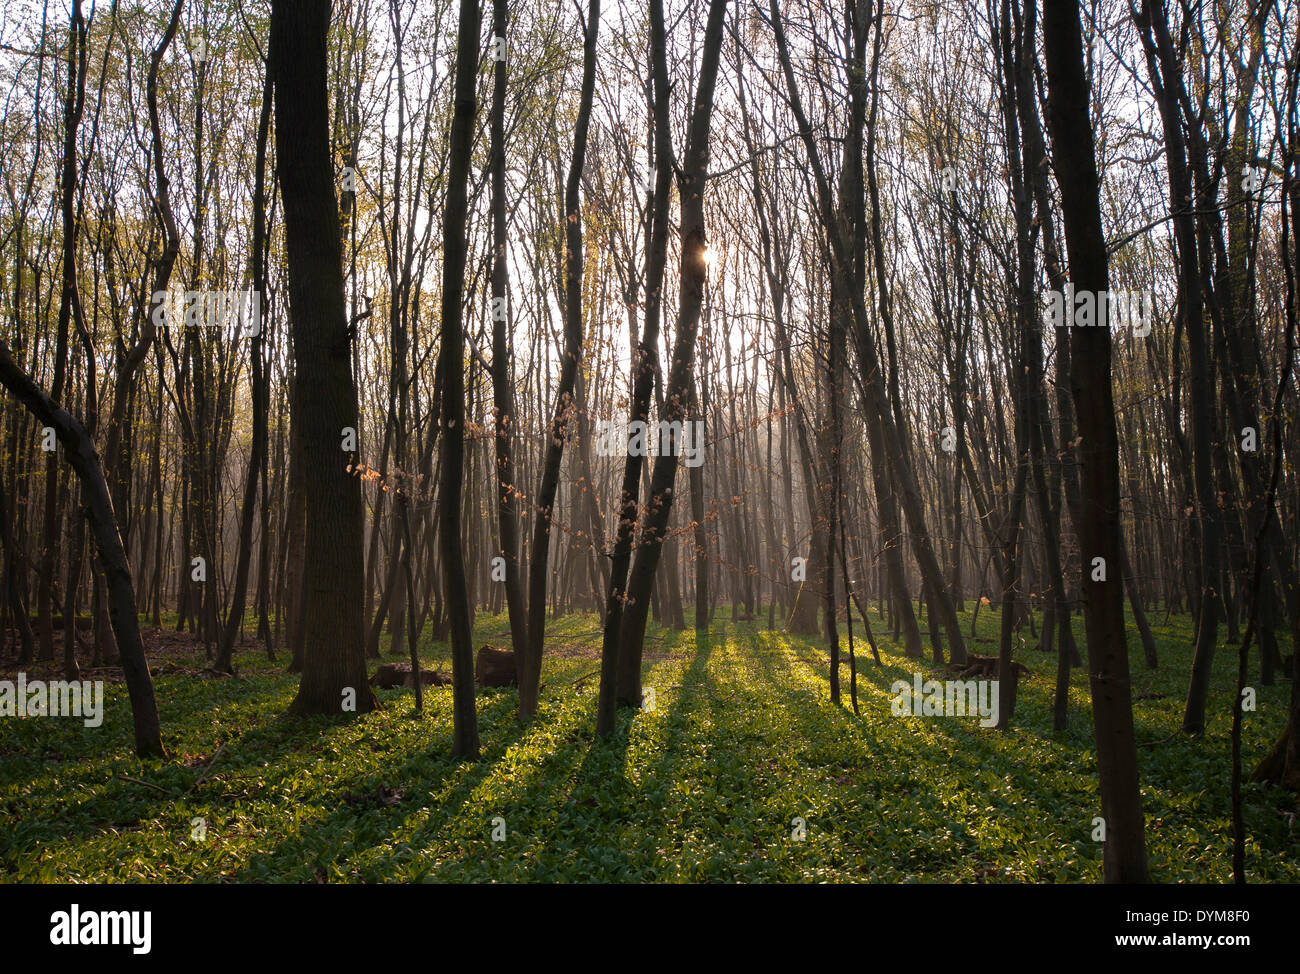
x=742, y=740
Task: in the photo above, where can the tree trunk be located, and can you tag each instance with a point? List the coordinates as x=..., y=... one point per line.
x=80, y=451
x=1125, y=859
x=333, y=664
x=503, y=393
x=465, y=742
x=257, y=451
x=677, y=398
x=530, y=669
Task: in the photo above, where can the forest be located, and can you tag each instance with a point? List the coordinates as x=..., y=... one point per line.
x=681, y=441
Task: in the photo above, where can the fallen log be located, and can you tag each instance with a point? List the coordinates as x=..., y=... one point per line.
x=399, y=675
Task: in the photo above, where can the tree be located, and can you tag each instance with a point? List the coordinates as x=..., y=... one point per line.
x=452, y=355
x=1125, y=858
x=530, y=667
x=257, y=450
x=626, y=671
x=1153, y=28
x=334, y=667
x=80, y=451
x=644, y=368
x=503, y=394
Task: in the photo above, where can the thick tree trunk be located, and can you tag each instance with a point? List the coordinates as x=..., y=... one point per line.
x=1125, y=859
x=333, y=631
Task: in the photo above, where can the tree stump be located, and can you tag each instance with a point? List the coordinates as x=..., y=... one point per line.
x=495, y=667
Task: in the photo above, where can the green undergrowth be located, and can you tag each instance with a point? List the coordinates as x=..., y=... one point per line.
x=741, y=741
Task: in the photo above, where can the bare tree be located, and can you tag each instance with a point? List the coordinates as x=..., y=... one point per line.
x=1125, y=858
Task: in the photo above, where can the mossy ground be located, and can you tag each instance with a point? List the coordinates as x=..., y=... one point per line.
x=742, y=740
